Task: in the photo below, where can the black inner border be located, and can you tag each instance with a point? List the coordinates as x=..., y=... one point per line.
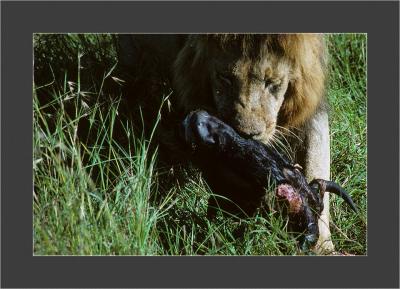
x=21, y=19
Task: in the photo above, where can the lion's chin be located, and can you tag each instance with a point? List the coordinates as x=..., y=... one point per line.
x=265, y=138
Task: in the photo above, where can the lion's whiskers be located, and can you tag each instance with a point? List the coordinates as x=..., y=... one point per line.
x=279, y=141
x=288, y=131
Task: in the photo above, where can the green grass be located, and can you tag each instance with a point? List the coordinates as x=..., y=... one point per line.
x=103, y=195
x=348, y=102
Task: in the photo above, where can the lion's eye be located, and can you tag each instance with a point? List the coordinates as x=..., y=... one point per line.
x=271, y=86
x=225, y=79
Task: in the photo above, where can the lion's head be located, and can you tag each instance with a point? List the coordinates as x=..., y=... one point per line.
x=254, y=82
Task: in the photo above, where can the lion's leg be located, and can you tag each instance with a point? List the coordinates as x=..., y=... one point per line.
x=317, y=165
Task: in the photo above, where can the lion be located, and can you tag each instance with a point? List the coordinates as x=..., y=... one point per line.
x=263, y=85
